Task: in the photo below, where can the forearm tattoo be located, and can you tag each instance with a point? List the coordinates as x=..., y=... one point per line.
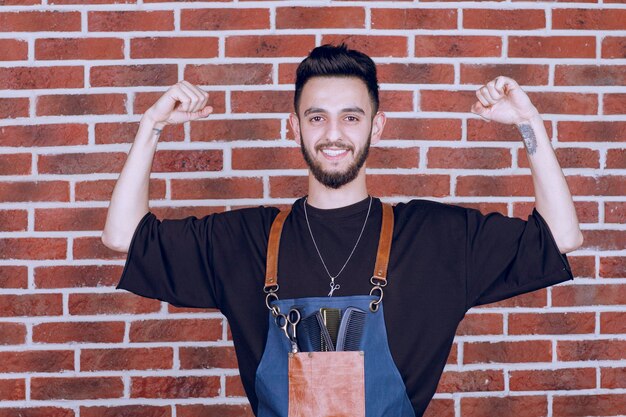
x=530, y=141
x=157, y=132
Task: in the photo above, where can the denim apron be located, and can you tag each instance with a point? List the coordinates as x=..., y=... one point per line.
x=362, y=382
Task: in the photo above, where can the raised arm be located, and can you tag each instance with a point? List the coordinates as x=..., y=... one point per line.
x=129, y=203
x=503, y=100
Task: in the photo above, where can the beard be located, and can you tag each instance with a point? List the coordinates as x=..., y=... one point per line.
x=336, y=179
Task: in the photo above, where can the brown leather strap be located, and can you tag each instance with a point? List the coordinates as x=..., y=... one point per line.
x=384, y=246
x=271, y=269
x=382, y=257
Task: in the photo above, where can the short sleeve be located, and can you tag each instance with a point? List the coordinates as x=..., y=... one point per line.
x=170, y=260
x=508, y=256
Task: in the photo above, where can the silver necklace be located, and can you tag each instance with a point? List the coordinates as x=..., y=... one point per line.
x=334, y=286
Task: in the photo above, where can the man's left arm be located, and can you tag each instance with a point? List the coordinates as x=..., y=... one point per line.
x=502, y=100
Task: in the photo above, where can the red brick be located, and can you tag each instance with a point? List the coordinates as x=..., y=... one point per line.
x=90, y=1
x=12, y=333
x=33, y=248
x=31, y=305
x=207, y=357
x=71, y=218
x=127, y=410
x=414, y=18
x=10, y=108
x=229, y=74
x=81, y=104
x=552, y=379
x=613, y=47
x=176, y=330
x=588, y=19
x=415, y=73
x=440, y=408
x=616, y=159
x=613, y=377
x=43, y=135
x=588, y=405
x=130, y=21
x=599, y=185
x=595, y=131
x=101, y=190
x=583, y=266
x=482, y=130
x=134, y=75
x=587, y=212
x=604, y=239
x=453, y=356
x=227, y=130
x=469, y=158
x=266, y=158
x=374, y=46
x=584, y=295
x=446, y=100
x=76, y=276
x=79, y=332
x=613, y=267
x=591, y=350
x=523, y=74
x=320, y=17
x=111, y=303
x=480, y=324
x=589, y=75
x=567, y=157
x=287, y=73
x=38, y=21
x=13, y=276
x=12, y=390
x=288, y=186
x=81, y=163
x=391, y=100
x=261, y=101
x=77, y=388
x=507, y=352
x=15, y=164
x=20, y=2
x=614, y=103
x=225, y=19
x=13, y=50
x=222, y=410
x=615, y=212
x=204, y=188
x=471, y=381
x=552, y=47
x=527, y=406
x=37, y=361
x=79, y=48
x=393, y=157
x=179, y=47
x=613, y=322
x=551, y=323
x=526, y=19
x=269, y=45
x=234, y=387
x=454, y=46
x=26, y=78
x=410, y=185
x=126, y=132
x=175, y=387
x=121, y=359
x=143, y=101
x=500, y=185
x=423, y=129
x=37, y=412
x=485, y=207
x=93, y=248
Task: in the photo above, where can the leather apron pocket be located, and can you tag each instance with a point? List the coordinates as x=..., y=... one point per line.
x=325, y=384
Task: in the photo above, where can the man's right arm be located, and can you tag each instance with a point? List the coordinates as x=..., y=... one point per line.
x=181, y=103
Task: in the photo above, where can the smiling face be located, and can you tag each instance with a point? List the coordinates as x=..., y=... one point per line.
x=335, y=127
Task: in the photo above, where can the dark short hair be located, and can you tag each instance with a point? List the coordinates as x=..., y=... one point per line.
x=337, y=61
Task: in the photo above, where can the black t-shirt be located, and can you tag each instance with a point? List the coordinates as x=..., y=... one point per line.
x=444, y=260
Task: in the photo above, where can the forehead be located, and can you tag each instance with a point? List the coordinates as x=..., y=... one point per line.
x=333, y=93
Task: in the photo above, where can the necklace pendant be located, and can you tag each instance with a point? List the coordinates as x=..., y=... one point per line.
x=333, y=287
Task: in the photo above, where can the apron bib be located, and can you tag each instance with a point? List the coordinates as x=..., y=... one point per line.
x=344, y=369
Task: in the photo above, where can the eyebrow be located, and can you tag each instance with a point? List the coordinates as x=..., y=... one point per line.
x=346, y=110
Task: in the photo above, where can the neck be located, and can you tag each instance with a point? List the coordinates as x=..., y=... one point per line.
x=323, y=197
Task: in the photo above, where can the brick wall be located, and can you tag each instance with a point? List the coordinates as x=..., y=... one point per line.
x=75, y=77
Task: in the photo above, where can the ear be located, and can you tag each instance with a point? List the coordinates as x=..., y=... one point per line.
x=378, y=124
x=295, y=126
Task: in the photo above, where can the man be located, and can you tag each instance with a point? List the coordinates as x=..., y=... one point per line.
x=444, y=259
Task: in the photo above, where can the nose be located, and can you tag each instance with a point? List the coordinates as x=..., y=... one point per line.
x=333, y=132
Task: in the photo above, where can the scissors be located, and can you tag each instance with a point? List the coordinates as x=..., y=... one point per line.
x=287, y=323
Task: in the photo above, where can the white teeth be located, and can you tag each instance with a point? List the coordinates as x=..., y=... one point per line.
x=334, y=152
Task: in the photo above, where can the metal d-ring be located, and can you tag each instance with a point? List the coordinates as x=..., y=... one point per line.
x=375, y=303
x=275, y=310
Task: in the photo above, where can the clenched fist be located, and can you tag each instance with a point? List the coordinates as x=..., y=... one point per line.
x=181, y=103
x=503, y=100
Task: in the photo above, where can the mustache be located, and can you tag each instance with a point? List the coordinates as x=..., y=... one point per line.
x=337, y=145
